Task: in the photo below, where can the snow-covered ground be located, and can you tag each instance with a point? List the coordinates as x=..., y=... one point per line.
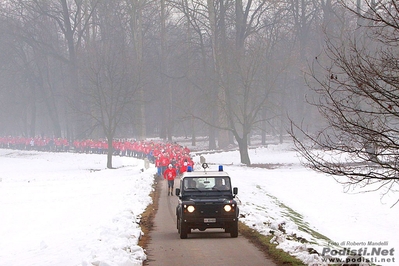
x=68, y=209
x=312, y=206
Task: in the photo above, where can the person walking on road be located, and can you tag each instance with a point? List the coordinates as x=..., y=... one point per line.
x=170, y=175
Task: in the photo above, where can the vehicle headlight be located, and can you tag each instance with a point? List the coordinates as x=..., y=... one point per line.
x=227, y=208
x=190, y=208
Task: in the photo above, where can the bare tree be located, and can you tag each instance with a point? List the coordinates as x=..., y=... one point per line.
x=358, y=97
x=305, y=17
x=200, y=73
x=246, y=96
x=136, y=31
x=53, y=30
x=39, y=74
x=111, y=80
x=17, y=98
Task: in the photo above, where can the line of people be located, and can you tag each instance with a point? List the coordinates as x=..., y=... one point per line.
x=170, y=159
x=36, y=143
x=160, y=153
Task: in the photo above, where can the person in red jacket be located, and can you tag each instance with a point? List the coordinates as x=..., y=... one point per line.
x=170, y=175
x=158, y=165
x=164, y=161
x=183, y=167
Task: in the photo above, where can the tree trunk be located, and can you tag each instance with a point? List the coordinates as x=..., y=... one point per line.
x=243, y=146
x=212, y=138
x=73, y=76
x=110, y=153
x=32, y=110
x=137, y=34
x=263, y=125
x=165, y=125
x=218, y=40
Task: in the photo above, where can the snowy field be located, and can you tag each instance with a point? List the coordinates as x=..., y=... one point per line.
x=68, y=209
x=312, y=206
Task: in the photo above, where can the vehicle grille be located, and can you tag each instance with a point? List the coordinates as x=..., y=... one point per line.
x=207, y=210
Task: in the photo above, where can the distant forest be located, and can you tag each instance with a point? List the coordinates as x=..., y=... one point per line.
x=223, y=69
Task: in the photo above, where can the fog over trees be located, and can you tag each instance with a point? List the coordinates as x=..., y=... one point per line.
x=356, y=91
x=225, y=69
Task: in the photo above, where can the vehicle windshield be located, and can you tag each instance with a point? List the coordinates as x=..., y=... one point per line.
x=206, y=183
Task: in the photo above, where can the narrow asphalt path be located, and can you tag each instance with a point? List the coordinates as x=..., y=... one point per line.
x=210, y=247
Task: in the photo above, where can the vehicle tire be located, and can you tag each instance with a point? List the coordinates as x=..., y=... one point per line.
x=177, y=224
x=183, y=229
x=234, y=229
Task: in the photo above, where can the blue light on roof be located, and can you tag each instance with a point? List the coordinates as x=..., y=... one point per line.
x=189, y=168
x=220, y=168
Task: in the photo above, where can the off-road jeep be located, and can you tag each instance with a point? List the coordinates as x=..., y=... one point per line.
x=206, y=200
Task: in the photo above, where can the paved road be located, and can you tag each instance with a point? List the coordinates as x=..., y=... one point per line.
x=210, y=247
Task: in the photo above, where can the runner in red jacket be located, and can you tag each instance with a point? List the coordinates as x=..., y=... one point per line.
x=170, y=175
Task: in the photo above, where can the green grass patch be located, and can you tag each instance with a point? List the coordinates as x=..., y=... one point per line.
x=297, y=218
x=279, y=256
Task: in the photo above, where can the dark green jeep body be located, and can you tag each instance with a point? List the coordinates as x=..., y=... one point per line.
x=206, y=200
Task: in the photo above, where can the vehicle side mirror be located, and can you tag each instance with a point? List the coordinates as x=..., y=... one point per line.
x=177, y=192
x=235, y=191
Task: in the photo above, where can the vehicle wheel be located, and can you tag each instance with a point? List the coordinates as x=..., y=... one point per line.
x=234, y=229
x=183, y=229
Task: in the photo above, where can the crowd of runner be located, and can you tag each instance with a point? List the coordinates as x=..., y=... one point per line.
x=160, y=153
